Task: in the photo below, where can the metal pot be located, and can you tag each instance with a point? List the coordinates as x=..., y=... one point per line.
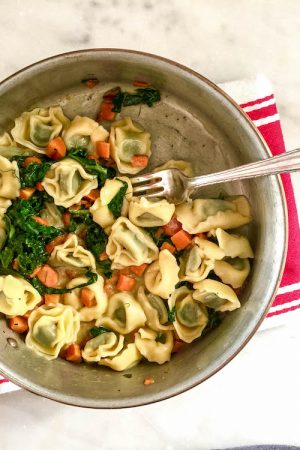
x=195, y=121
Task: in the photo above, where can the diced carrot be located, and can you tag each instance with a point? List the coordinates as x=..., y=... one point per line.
x=93, y=195
x=181, y=239
x=30, y=160
x=172, y=227
x=18, y=324
x=140, y=83
x=178, y=346
x=148, y=381
x=139, y=270
x=26, y=193
x=51, y=298
x=48, y=276
x=39, y=186
x=40, y=220
x=56, y=148
x=95, y=157
x=56, y=241
x=167, y=246
x=201, y=235
x=103, y=149
x=106, y=111
x=66, y=219
x=125, y=283
x=87, y=297
x=15, y=264
x=35, y=271
x=125, y=271
x=139, y=160
x=103, y=256
x=73, y=353
x=91, y=83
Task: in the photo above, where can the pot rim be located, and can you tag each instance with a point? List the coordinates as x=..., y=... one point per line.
x=176, y=390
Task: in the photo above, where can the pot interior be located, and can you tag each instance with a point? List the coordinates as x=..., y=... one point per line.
x=196, y=122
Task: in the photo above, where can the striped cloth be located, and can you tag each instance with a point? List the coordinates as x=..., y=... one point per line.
x=256, y=98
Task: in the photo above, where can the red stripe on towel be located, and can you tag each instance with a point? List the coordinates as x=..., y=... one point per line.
x=257, y=101
x=261, y=113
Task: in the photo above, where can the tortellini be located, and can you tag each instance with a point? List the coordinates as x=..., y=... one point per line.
x=53, y=216
x=155, y=310
x=190, y=316
x=84, y=132
x=129, y=245
x=100, y=299
x=17, y=296
x=9, y=179
x=104, y=345
x=147, y=213
x=216, y=295
x=233, y=271
x=70, y=253
x=154, y=346
x=198, y=260
x=234, y=245
x=162, y=276
x=126, y=359
x=100, y=211
x=5, y=203
x=124, y=314
x=51, y=328
x=184, y=166
x=127, y=140
x=67, y=182
x=202, y=215
x=34, y=129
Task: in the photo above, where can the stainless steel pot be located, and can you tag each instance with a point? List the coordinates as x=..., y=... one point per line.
x=195, y=121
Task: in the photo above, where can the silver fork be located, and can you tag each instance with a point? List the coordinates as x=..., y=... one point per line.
x=172, y=185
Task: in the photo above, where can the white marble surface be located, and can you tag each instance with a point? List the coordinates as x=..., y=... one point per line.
x=256, y=398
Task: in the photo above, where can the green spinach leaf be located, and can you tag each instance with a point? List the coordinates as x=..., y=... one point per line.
x=105, y=267
x=147, y=96
x=115, y=205
x=32, y=173
x=95, y=331
x=90, y=165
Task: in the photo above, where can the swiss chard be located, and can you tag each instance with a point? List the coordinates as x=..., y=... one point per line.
x=116, y=203
x=32, y=173
x=147, y=96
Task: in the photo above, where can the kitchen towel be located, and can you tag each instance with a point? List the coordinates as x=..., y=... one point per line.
x=256, y=98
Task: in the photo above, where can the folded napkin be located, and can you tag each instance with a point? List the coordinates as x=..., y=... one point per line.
x=256, y=98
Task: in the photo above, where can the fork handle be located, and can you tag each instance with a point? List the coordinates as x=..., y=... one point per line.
x=286, y=162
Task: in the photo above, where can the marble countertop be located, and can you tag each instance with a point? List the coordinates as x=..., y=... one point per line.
x=256, y=398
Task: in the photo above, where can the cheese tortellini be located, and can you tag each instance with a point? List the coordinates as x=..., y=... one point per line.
x=100, y=210
x=191, y=315
x=67, y=182
x=202, y=215
x=234, y=245
x=154, y=346
x=146, y=213
x=129, y=245
x=128, y=139
x=51, y=328
x=233, y=271
x=70, y=253
x=84, y=132
x=9, y=179
x=216, y=295
x=126, y=359
x=155, y=310
x=198, y=260
x=17, y=296
x=105, y=345
x=34, y=129
x=162, y=276
x=184, y=166
x=52, y=215
x=100, y=299
x=124, y=314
